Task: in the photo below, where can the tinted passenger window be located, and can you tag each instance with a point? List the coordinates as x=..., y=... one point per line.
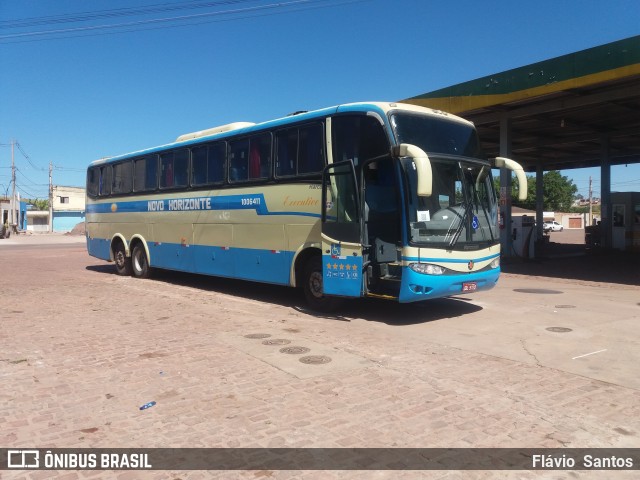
x=145, y=174
x=287, y=153
x=358, y=138
x=208, y=164
x=250, y=158
x=311, y=151
x=259, y=156
x=105, y=180
x=122, y=178
x=300, y=151
x=239, y=160
x=93, y=181
x=174, y=168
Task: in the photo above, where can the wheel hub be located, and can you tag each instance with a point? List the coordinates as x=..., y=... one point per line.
x=315, y=282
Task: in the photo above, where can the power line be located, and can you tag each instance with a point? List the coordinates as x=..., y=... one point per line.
x=28, y=180
x=151, y=24
x=26, y=194
x=69, y=169
x=111, y=13
x=627, y=182
x=27, y=157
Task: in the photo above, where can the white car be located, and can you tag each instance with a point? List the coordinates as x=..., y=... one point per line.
x=552, y=227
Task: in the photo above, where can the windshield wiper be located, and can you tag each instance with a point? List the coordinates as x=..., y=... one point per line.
x=486, y=216
x=468, y=207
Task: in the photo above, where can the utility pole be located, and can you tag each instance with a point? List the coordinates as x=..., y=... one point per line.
x=50, y=197
x=590, y=204
x=13, y=220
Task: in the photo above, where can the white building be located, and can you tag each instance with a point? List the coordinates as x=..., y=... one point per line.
x=68, y=207
x=68, y=210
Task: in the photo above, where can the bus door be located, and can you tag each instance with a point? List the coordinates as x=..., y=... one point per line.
x=342, y=265
x=381, y=217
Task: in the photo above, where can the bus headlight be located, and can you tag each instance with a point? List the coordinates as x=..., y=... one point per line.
x=495, y=263
x=427, y=268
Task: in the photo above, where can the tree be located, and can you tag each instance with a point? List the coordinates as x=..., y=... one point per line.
x=40, y=204
x=530, y=202
x=558, y=192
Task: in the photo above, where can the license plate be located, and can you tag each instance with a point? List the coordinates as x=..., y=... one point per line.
x=469, y=287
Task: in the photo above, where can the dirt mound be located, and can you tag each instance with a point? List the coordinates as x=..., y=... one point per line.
x=79, y=229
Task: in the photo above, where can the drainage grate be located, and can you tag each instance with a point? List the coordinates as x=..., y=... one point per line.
x=276, y=341
x=257, y=335
x=294, y=350
x=565, y=306
x=559, y=329
x=315, y=359
x=537, y=290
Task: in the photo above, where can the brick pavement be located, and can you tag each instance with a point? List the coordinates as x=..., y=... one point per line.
x=84, y=348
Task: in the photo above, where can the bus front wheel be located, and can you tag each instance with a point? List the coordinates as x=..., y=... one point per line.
x=139, y=262
x=123, y=263
x=312, y=287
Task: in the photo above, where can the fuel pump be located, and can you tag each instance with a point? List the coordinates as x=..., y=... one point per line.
x=523, y=236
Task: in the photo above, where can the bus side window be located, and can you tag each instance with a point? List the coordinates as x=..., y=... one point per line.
x=358, y=138
x=93, y=181
x=122, y=177
x=105, y=180
x=199, y=166
x=166, y=170
x=260, y=156
x=238, y=160
x=287, y=150
x=254, y=160
x=145, y=173
x=216, y=162
x=180, y=167
x=311, y=151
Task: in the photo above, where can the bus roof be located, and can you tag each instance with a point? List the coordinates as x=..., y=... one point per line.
x=213, y=131
x=222, y=131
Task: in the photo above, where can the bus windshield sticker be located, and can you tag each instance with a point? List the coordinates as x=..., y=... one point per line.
x=424, y=216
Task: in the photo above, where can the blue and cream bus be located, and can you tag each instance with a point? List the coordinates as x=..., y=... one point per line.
x=366, y=199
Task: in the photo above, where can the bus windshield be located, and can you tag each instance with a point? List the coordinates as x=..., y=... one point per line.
x=436, y=134
x=461, y=213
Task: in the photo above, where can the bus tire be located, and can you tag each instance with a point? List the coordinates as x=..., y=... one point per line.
x=312, y=287
x=140, y=262
x=123, y=263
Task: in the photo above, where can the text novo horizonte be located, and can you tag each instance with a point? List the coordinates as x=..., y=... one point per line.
x=179, y=204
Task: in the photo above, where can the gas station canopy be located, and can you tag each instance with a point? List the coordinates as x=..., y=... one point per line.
x=559, y=112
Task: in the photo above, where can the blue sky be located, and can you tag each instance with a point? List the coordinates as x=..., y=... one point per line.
x=93, y=90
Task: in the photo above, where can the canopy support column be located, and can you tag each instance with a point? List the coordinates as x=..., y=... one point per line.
x=606, y=224
x=506, y=240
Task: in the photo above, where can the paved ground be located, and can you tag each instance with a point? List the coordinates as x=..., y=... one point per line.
x=565, y=256
x=82, y=349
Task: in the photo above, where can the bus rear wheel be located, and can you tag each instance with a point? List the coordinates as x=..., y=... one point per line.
x=313, y=290
x=123, y=263
x=139, y=262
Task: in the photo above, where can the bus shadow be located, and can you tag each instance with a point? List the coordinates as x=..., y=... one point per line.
x=405, y=314
x=102, y=268
x=246, y=289
x=367, y=309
